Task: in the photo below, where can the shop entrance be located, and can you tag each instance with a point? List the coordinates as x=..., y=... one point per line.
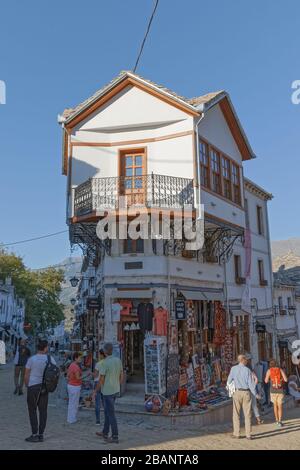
x=285, y=357
x=132, y=338
x=134, y=353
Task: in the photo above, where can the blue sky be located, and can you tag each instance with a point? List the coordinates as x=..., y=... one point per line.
x=53, y=54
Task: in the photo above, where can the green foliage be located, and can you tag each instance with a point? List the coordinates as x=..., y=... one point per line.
x=40, y=289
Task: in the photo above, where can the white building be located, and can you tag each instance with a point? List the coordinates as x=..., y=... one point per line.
x=286, y=315
x=12, y=315
x=137, y=139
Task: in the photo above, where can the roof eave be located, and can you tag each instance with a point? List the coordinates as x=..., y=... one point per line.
x=268, y=196
x=119, y=80
x=204, y=107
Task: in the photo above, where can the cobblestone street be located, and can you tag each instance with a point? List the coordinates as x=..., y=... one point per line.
x=135, y=433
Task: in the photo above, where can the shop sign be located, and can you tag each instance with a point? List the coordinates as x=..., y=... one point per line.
x=260, y=328
x=134, y=265
x=93, y=304
x=180, y=310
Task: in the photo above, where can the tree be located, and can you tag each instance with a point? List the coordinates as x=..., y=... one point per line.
x=40, y=290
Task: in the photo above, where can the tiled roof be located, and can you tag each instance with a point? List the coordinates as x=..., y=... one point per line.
x=193, y=102
x=251, y=186
x=204, y=98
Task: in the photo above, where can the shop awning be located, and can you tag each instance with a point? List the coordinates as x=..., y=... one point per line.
x=132, y=294
x=193, y=295
x=201, y=295
x=214, y=296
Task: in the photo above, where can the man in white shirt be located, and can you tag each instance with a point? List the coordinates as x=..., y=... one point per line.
x=36, y=397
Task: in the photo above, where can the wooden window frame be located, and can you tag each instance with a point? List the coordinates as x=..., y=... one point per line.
x=260, y=220
x=134, y=249
x=237, y=266
x=261, y=273
x=204, y=167
x=243, y=333
x=226, y=179
x=213, y=172
x=234, y=186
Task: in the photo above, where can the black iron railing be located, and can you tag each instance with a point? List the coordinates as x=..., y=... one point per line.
x=153, y=190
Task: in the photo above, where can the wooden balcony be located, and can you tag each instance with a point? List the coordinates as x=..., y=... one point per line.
x=150, y=191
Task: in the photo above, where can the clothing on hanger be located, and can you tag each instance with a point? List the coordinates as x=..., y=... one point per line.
x=145, y=315
x=161, y=321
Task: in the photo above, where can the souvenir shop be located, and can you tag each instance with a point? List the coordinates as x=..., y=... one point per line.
x=205, y=354
x=135, y=320
x=183, y=358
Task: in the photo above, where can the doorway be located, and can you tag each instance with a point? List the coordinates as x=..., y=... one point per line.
x=132, y=170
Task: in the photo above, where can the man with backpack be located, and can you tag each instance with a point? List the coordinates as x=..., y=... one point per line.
x=277, y=377
x=41, y=377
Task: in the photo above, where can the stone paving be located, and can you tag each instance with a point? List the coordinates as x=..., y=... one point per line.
x=135, y=432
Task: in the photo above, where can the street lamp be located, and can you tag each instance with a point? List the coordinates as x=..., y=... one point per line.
x=74, y=281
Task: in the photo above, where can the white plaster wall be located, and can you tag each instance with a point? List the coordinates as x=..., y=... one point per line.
x=129, y=108
x=215, y=129
x=222, y=209
x=133, y=115
x=284, y=321
x=155, y=269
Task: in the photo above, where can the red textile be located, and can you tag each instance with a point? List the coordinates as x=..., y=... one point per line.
x=127, y=306
x=161, y=322
x=220, y=324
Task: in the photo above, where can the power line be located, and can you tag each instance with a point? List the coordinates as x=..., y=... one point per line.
x=146, y=34
x=33, y=239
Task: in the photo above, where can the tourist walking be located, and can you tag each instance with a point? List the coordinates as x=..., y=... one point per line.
x=277, y=377
x=21, y=357
x=99, y=396
x=74, y=376
x=244, y=385
x=254, y=404
x=37, y=395
x=111, y=376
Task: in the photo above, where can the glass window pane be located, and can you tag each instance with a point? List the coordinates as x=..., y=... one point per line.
x=128, y=172
x=138, y=183
x=128, y=184
x=128, y=161
x=138, y=160
x=139, y=171
x=140, y=245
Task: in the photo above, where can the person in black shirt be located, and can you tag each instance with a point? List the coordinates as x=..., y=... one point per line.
x=21, y=357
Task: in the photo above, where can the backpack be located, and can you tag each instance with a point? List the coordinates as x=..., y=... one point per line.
x=275, y=376
x=51, y=376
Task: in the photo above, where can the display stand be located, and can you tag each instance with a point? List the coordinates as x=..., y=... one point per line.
x=155, y=356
